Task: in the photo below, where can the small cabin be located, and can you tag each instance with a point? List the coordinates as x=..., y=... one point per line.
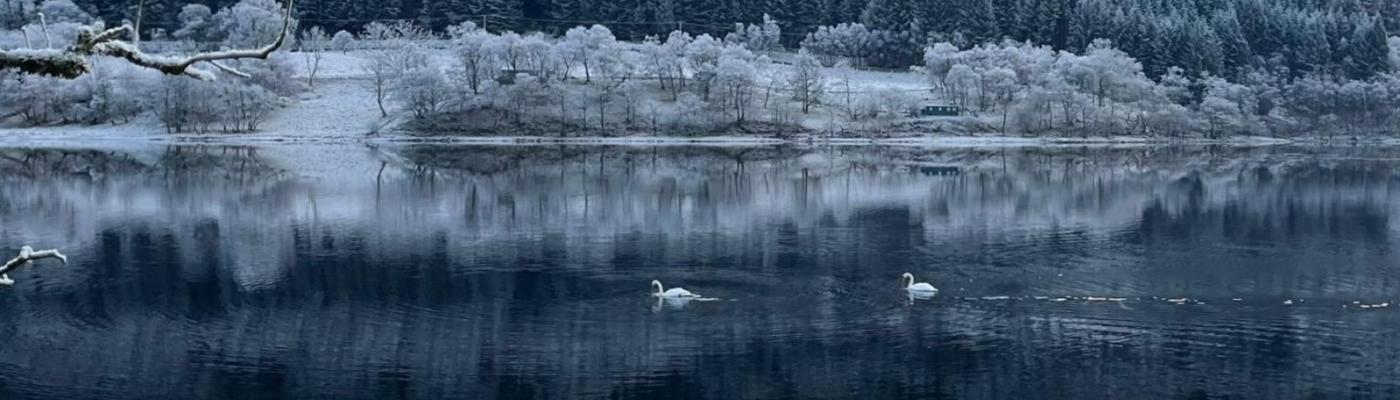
x=940, y=111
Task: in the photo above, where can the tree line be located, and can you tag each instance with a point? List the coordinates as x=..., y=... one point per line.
x=590, y=79
x=1220, y=37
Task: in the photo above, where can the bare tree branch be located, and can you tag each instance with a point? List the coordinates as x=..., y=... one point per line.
x=27, y=256
x=73, y=61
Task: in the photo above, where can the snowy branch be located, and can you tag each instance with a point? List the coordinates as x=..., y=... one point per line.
x=73, y=61
x=45, y=62
x=27, y=256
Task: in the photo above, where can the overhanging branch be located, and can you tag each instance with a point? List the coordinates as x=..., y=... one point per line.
x=73, y=62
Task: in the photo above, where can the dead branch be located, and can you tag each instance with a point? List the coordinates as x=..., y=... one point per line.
x=27, y=256
x=73, y=62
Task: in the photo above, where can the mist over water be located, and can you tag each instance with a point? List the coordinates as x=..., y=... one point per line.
x=516, y=272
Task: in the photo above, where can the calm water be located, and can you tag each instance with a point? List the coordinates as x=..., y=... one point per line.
x=424, y=272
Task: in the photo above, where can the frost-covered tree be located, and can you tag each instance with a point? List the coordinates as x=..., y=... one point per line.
x=242, y=108
x=1001, y=87
x=343, y=41
x=423, y=89
x=526, y=92
x=735, y=78
x=314, y=44
x=381, y=35
x=668, y=62
x=842, y=91
x=250, y=23
x=938, y=62
x=807, y=81
x=766, y=37
x=379, y=67
x=616, y=68
x=584, y=45
x=476, y=62
x=539, y=58
x=702, y=58
x=508, y=47
x=1226, y=106
x=196, y=23
x=830, y=44
x=962, y=84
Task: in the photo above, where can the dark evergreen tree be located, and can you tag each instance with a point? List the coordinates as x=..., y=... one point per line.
x=1235, y=54
x=1368, y=50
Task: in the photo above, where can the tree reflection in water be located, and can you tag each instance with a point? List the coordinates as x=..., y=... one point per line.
x=521, y=272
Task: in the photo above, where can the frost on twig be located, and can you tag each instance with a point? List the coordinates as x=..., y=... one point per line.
x=26, y=257
x=73, y=62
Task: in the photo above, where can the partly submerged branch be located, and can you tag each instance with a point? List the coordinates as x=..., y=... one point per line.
x=27, y=256
x=73, y=62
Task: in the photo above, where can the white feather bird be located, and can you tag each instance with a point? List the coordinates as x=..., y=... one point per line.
x=674, y=293
x=917, y=288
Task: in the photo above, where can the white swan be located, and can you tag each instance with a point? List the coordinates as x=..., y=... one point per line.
x=920, y=288
x=674, y=293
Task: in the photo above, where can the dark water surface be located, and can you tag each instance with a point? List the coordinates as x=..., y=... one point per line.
x=425, y=272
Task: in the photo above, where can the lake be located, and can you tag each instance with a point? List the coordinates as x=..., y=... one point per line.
x=522, y=272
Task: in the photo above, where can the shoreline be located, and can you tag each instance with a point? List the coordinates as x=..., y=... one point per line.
x=121, y=134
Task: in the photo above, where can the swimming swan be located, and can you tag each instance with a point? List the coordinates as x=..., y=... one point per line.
x=674, y=293
x=916, y=288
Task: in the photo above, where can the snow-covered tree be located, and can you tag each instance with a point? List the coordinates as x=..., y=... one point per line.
x=702, y=57
x=343, y=41
x=807, y=81
x=385, y=67
x=476, y=63
x=849, y=41
x=423, y=89
x=1001, y=86
x=583, y=45
x=381, y=35
x=735, y=78
x=539, y=58
x=251, y=23
x=526, y=92
x=242, y=107
x=509, y=50
x=314, y=44
x=615, y=68
x=766, y=37
x=669, y=63
x=938, y=62
x=1224, y=106
x=196, y=23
